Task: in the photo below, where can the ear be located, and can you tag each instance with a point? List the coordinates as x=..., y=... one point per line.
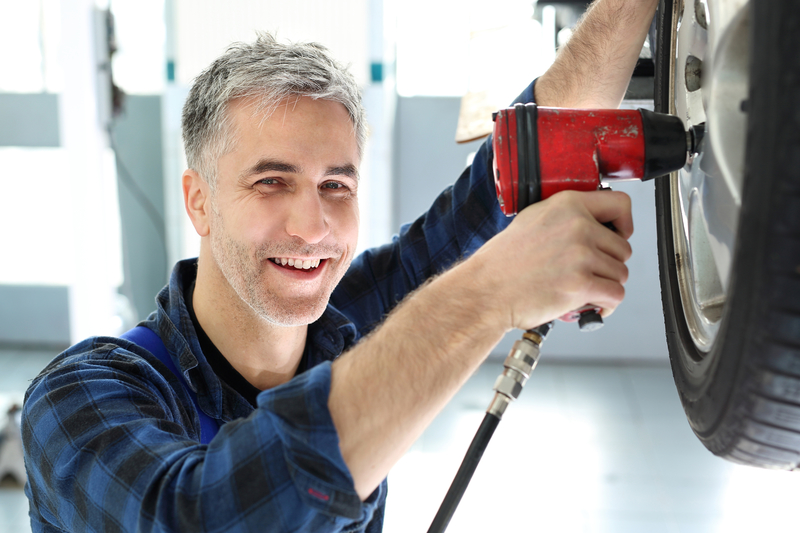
x=197, y=200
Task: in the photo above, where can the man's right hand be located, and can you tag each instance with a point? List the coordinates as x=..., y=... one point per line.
x=555, y=256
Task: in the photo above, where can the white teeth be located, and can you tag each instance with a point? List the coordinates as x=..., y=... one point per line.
x=299, y=264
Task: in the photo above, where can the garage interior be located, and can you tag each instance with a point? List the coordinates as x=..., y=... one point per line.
x=597, y=442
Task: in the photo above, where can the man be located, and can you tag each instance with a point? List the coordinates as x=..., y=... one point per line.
x=256, y=325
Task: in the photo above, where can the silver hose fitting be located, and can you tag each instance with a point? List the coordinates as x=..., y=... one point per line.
x=517, y=369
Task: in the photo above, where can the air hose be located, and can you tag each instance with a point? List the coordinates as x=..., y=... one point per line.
x=518, y=367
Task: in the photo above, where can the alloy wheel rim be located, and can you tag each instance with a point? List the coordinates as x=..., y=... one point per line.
x=708, y=84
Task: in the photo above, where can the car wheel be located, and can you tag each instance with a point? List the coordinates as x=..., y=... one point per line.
x=728, y=224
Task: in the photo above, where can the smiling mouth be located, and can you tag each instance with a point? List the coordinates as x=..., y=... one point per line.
x=305, y=265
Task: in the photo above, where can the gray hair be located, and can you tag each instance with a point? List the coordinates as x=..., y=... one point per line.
x=269, y=71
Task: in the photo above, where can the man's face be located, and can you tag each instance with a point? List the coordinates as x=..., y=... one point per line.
x=284, y=218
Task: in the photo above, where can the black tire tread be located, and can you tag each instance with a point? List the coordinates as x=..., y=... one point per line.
x=744, y=454
x=778, y=418
x=768, y=401
x=776, y=385
x=781, y=357
x=772, y=434
x=767, y=455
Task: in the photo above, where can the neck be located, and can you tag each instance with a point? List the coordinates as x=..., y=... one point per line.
x=266, y=355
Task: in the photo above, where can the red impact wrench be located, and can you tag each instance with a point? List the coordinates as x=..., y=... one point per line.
x=539, y=151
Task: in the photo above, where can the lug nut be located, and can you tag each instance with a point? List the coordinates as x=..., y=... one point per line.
x=693, y=73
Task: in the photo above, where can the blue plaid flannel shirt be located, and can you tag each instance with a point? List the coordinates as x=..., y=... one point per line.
x=112, y=440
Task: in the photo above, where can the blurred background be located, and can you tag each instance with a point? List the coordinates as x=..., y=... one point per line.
x=92, y=221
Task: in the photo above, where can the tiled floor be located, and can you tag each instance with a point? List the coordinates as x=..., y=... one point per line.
x=587, y=448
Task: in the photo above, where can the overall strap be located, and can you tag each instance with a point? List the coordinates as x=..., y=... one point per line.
x=147, y=339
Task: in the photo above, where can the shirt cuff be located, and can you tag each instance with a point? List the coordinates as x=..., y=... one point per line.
x=299, y=412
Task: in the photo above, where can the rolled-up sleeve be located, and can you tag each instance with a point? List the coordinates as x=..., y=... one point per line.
x=110, y=446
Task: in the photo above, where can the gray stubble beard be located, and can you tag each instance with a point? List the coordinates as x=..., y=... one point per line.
x=233, y=260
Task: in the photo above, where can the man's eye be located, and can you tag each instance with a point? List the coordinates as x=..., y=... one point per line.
x=335, y=185
x=268, y=181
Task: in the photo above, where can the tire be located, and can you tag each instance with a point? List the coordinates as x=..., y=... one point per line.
x=738, y=371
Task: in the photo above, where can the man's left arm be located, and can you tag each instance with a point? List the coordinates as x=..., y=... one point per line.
x=593, y=69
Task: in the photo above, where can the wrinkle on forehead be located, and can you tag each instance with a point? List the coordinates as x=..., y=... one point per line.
x=263, y=108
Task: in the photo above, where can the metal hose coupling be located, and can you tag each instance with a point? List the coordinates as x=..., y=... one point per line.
x=518, y=366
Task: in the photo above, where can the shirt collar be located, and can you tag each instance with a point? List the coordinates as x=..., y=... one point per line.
x=328, y=337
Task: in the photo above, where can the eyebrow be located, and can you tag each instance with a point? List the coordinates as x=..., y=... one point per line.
x=274, y=165
x=347, y=170
x=271, y=165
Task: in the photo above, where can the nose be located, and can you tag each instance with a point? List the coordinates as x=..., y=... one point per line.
x=307, y=218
